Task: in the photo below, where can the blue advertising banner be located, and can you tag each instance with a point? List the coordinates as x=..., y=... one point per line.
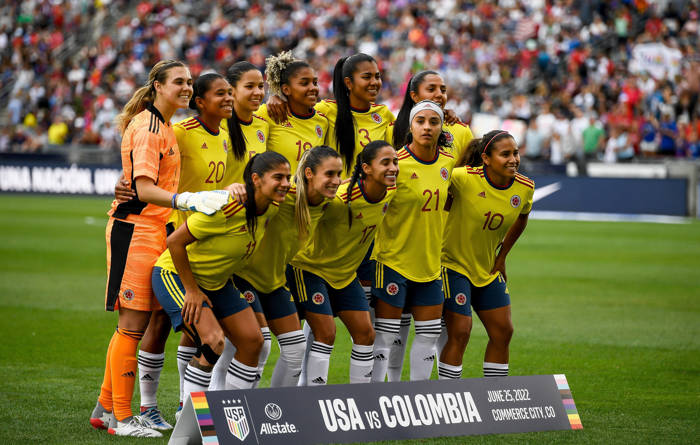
x=378, y=411
x=611, y=195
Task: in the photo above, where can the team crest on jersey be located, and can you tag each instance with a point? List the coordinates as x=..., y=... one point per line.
x=237, y=421
x=318, y=298
x=444, y=174
x=461, y=299
x=319, y=131
x=261, y=136
x=249, y=296
x=449, y=137
x=515, y=201
x=128, y=294
x=392, y=289
x=376, y=118
x=225, y=146
x=386, y=206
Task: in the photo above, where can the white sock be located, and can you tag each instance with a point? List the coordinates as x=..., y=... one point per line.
x=317, y=364
x=218, y=375
x=495, y=369
x=288, y=367
x=387, y=330
x=240, y=376
x=398, y=350
x=442, y=341
x=368, y=296
x=361, y=363
x=423, y=349
x=446, y=372
x=150, y=367
x=184, y=355
x=196, y=379
x=309, y=335
x=264, y=354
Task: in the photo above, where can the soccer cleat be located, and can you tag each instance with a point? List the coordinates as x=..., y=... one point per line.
x=178, y=412
x=99, y=419
x=154, y=416
x=134, y=426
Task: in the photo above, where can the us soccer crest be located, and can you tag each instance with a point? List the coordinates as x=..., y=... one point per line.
x=237, y=421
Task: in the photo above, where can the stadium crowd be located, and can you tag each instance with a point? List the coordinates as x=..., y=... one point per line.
x=610, y=80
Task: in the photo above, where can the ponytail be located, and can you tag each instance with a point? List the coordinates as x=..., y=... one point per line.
x=311, y=158
x=238, y=142
x=259, y=164
x=146, y=94
x=471, y=156
x=345, y=121
x=402, y=126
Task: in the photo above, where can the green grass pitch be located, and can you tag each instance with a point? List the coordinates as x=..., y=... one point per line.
x=614, y=306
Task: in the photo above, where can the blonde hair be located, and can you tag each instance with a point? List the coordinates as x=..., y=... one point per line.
x=279, y=68
x=145, y=94
x=312, y=159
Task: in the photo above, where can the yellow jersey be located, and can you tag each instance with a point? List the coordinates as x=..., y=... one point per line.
x=295, y=136
x=370, y=125
x=410, y=236
x=335, y=251
x=203, y=160
x=266, y=268
x=255, y=133
x=223, y=244
x=479, y=218
x=459, y=135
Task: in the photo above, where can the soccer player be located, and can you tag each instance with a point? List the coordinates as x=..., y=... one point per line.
x=316, y=182
x=192, y=279
x=136, y=233
x=205, y=155
x=407, y=245
x=296, y=82
x=490, y=205
x=249, y=135
x=322, y=276
x=425, y=85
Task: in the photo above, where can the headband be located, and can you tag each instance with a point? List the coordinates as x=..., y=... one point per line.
x=492, y=138
x=426, y=105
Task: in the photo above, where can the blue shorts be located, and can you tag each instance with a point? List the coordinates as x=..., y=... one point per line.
x=171, y=295
x=276, y=304
x=367, y=266
x=313, y=294
x=460, y=293
x=393, y=288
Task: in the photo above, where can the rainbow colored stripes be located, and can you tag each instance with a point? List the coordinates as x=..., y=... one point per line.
x=568, y=401
x=206, y=424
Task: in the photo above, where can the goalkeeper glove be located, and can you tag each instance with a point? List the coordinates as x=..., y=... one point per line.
x=208, y=202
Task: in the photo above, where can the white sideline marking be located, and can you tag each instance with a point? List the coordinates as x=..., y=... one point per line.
x=608, y=217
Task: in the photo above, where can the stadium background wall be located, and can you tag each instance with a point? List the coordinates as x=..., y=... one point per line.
x=573, y=194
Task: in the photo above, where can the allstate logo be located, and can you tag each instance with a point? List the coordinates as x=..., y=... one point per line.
x=273, y=411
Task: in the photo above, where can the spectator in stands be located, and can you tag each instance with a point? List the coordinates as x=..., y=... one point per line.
x=533, y=147
x=58, y=132
x=593, y=138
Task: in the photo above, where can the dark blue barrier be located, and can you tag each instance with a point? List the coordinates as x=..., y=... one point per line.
x=611, y=195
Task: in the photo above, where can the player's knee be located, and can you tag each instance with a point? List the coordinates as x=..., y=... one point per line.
x=252, y=343
x=214, y=340
x=459, y=338
x=364, y=336
x=325, y=334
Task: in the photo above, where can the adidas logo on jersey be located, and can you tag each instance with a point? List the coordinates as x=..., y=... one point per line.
x=147, y=377
x=319, y=381
x=414, y=176
x=204, y=145
x=287, y=124
x=482, y=194
x=129, y=374
x=171, y=152
x=359, y=216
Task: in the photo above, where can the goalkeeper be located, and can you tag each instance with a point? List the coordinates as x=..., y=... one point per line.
x=136, y=233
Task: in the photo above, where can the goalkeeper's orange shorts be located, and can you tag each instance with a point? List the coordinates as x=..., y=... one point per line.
x=132, y=250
